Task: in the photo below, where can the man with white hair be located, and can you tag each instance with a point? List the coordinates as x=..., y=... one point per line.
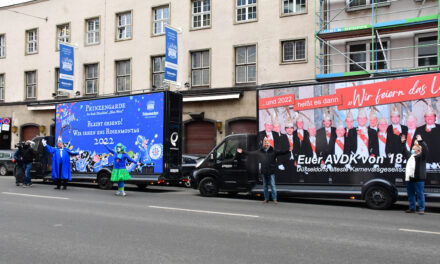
x=349, y=122
x=340, y=146
x=394, y=131
x=268, y=133
x=382, y=135
x=302, y=139
x=363, y=140
x=411, y=122
x=325, y=137
x=430, y=132
x=372, y=119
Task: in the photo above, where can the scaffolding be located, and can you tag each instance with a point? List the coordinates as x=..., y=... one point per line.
x=359, y=38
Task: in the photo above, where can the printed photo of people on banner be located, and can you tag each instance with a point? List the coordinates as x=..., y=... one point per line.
x=349, y=132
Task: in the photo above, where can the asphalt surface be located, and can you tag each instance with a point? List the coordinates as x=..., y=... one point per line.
x=175, y=225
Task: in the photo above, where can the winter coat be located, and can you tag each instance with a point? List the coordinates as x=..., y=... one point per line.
x=420, y=170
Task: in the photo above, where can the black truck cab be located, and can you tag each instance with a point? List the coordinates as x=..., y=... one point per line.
x=224, y=169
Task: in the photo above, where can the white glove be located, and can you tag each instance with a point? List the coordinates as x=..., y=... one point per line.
x=428, y=166
x=281, y=167
x=44, y=142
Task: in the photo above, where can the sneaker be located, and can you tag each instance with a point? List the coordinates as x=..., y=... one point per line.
x=275, y=202
x=64, y=188
x=421, y=212
x=117, y=193
x=30, y=184
x=17, y=184
x=265, y=201
x=25, y=185
x=57, y=188
x=123, y=193
x=410, y=211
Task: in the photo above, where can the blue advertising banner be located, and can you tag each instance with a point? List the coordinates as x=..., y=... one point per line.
x=66, y=68
x=134, y=121
x=170, y=54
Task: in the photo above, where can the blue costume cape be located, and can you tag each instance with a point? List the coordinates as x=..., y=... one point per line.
x=65, y=161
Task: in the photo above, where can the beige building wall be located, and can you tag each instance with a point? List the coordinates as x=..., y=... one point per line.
x=224, y=34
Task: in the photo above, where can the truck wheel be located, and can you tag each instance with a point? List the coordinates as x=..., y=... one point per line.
x=378, y=198
x=208, y=187
x=104, y=182
x=3, y=171
x=142, y=186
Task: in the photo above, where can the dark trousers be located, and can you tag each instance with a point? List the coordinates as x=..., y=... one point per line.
x=60, y=181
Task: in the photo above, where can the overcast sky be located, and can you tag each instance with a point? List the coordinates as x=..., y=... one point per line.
x=11, y=2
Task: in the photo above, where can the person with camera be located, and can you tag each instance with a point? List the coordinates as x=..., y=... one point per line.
x=28, y=158
x=415, y=173
x=18, y=160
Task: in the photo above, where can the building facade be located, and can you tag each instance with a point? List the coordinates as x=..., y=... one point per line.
x=227, y=49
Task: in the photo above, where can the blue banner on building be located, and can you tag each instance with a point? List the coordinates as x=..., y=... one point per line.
x=66, y=68
x=170, y=54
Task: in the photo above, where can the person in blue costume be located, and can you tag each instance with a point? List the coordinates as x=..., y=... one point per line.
x=60, y=163
x=119, y=172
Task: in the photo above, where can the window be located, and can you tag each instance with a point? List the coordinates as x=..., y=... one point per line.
x=92, y=31
x=363, y=3
x=426, y=50
x=31, y=41
x=124, y=26
x=158, y=72
x=123, y=74
x=201, y=14
x=57, y=84
x=2, y=87
x=361, y=54
x=63, y=34
x=31, y=84
x=2, y=46
x=200, y=68
x=91, y=78
x=246, y=10
x=294, y=50
x=161, y=16
x=246, y=64
x=294, y=6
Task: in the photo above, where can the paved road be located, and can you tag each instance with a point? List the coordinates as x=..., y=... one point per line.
x=176, y=225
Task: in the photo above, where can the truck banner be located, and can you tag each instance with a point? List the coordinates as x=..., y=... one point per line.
x=135, y=121
x=348, y=132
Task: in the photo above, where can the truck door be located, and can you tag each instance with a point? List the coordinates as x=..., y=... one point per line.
x=228, y=164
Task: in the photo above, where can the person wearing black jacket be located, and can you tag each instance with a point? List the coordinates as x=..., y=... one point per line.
x=415, y=173
x=28, y=158
x=19, y=168
x=266, y=157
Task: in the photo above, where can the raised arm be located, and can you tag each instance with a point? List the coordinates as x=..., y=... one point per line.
x=109, y=149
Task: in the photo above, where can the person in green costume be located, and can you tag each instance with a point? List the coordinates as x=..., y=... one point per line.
x=119, y=172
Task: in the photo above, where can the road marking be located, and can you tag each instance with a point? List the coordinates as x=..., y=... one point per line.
x=202, y=211
x=419, y=231
x=37, y=196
